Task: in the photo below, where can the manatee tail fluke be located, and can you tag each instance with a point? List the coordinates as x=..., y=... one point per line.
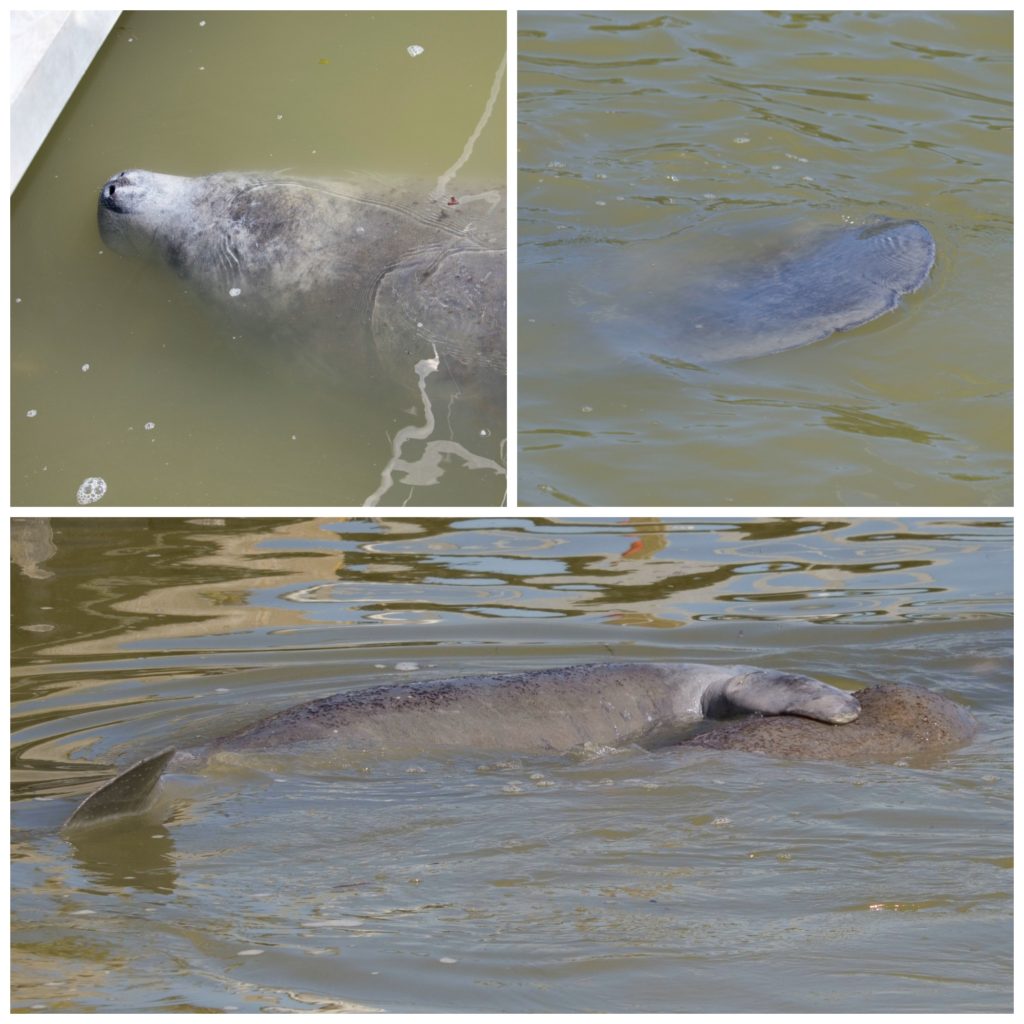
x=127, y=793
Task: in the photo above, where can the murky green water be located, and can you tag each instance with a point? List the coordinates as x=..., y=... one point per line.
x=316, y=95
x=626, y=880
x=641, y=135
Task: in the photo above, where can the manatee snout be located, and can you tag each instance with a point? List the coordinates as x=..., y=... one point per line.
x=119, y=199
x=114, y=193
x=135, y=206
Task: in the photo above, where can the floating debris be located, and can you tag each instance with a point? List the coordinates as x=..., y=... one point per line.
x=91, y=490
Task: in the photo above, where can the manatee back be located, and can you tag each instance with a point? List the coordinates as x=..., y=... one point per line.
x=832, y=279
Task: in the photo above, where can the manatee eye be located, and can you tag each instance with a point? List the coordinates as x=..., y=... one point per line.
x=110, y=190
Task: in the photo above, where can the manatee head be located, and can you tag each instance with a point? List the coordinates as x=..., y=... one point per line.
x=208, y=229
x=272, y=253
x=140, y=213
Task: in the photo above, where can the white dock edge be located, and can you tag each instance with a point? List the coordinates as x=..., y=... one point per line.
x=50, y=51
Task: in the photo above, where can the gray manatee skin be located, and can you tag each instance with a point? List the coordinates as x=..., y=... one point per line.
x=895, y=721
x=552, y=710
x=378, y=273
x=778, y=291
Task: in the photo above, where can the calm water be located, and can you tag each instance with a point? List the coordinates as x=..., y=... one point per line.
x=622, y=880
x=649, y=139
x=319, y=95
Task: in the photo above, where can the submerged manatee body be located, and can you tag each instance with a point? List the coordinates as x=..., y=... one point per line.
x=564, y=709
x=378, y=276
x=553, y=710
x=895, y=721
x=775, y=290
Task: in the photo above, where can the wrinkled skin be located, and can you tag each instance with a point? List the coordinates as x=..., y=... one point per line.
x=895, y=721
x=373, y=277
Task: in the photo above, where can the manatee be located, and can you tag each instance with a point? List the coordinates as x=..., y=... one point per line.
x=551, y=710
x=786, y=289
x=372, y=276
x=895, y=721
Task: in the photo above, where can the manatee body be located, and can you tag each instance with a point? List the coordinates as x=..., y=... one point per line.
x=895, y=721
x=553, y=710
x=376, y=275
x=772, y=290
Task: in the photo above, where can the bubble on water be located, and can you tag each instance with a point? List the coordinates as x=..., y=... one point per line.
x=32, y=412
x=234, y=292
x=150, y=425
x=91, y=490
x=250, y=952
x=406, y=666
x=741, y=139
x=85, y=367
x=415, y=50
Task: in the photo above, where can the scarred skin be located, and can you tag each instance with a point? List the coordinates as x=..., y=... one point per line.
x=895, y=721
x=379, y=275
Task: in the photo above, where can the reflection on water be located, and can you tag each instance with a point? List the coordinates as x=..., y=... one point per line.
x=172, y=579
x=453, y=890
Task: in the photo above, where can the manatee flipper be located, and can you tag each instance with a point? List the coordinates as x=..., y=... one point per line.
x=127, y=793
x=785, y=693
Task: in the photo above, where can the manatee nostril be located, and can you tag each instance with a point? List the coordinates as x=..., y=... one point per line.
x=110, y=194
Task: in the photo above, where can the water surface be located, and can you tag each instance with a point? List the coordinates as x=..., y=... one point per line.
x=610, y=880
x=647, y=142
x=103, y=346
